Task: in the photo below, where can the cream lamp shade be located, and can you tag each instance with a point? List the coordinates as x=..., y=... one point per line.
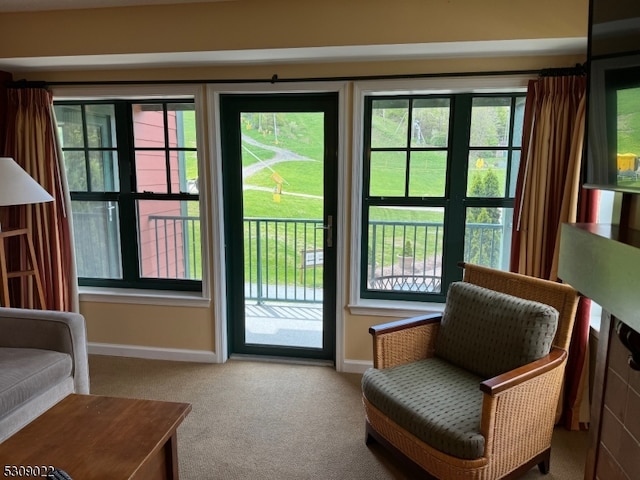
x=17, y=187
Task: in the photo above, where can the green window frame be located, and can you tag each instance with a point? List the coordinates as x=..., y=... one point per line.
x=439, y=175
x=131, y=167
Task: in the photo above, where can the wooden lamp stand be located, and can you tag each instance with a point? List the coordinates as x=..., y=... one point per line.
x=17, y=187
x=31, y=270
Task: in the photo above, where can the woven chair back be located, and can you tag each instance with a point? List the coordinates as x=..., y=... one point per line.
x=562, y=297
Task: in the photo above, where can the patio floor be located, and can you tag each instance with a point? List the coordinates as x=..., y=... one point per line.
x=284, y=324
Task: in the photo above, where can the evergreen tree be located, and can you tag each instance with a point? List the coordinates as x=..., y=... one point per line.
x=483, y=247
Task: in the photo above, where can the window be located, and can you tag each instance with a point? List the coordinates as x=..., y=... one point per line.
x=439, y=175
x=132, y=170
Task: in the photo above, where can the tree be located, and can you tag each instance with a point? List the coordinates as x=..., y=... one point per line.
x=483, y=246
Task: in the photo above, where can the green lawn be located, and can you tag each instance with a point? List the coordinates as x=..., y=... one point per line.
x=302, y=186
x=261, y=204
x=629, y=128
x=629, y=121
x=300, y=132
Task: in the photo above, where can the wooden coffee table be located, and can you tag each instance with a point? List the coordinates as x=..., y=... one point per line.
x=93, y=437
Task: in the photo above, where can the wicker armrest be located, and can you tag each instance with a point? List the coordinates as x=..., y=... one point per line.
x=404, y=341
x=519, y=375
x=521, y=404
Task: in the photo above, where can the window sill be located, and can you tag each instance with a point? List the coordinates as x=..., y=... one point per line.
x=143, y=297
x=386, y=308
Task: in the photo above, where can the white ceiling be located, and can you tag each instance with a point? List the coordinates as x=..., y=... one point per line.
x=38, y=5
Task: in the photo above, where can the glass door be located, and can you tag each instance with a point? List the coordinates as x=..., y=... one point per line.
x=279, y=156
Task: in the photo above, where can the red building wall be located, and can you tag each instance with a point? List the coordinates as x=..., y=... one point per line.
x=161, y=241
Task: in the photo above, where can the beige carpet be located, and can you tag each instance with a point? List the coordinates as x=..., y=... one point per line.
x=264, y=420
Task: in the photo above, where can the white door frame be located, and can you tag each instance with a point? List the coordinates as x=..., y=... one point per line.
x=213, y=93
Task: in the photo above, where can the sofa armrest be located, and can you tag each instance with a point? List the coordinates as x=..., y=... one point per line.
x=404, y=341
x=48, y=330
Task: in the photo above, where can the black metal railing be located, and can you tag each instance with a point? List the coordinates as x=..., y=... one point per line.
x=176, y=244
x=284, y=257
x=407, y=256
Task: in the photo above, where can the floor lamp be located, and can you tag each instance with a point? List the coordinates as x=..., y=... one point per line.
x=18, y=188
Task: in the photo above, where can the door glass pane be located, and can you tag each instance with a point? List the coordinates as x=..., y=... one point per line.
x=97, y=239
x=169, y=239
x=405, y=249
x=427, y=174
x=488, y=236
x=487, y=173
x=389, y=123
x=283, y=185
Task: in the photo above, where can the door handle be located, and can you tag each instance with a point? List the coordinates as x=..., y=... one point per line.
x=328, y=228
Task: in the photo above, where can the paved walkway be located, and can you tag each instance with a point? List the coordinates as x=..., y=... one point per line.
x=281, y=155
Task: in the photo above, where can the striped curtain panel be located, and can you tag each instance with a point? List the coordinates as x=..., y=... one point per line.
x=32, y=142
x=548, y=194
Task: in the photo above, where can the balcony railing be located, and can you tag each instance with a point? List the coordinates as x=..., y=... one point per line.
x=174, y=250
x=284, y=257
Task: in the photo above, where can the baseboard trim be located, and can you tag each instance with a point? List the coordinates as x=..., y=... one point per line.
x=180, y=355
x=152, y=353
x=356, y=366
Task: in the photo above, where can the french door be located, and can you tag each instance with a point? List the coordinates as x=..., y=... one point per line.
x=279, y=162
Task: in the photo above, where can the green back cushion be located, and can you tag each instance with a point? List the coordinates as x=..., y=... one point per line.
x=489, y=333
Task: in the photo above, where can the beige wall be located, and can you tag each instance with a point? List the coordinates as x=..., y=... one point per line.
x=275, y=24
x=184, y=328
x=248, y=24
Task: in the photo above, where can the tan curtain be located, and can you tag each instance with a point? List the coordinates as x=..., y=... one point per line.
x=548, y=194
x=32, y=141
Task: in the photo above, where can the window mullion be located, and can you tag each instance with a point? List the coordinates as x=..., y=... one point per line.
x=407, y=173
x=85, y=142
x=460, y=128
x=512, y=120
x=127, y=203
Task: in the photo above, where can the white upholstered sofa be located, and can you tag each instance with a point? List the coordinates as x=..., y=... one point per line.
x=43, y=358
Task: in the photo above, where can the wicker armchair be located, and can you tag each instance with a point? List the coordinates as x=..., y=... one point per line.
x=516, y=409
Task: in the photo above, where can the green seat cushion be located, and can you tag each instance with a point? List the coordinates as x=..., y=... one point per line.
x=436, y=401
x=489, y=332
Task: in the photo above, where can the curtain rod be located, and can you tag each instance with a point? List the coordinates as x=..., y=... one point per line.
x=580, y=69
x=274, y=79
